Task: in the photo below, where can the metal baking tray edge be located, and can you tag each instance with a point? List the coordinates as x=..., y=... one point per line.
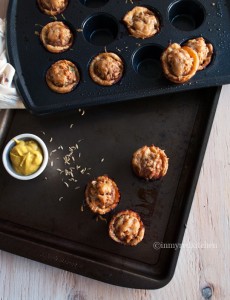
x=22, y=241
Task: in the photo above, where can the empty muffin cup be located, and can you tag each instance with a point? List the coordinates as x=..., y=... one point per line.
x=186, y=15
x=146, y=61
x=100, y=29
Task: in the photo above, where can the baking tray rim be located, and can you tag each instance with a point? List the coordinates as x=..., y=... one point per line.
x=20, y=245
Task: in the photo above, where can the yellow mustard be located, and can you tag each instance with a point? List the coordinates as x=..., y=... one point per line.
x=26, y=157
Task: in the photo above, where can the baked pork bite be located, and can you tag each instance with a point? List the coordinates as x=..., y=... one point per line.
x=203, y=49
x=179, y=63
x=127, y=228
x=141, y=22
x=62, y=76
x=150, y=162
x=102, y=195
x=52, y=7
x=56, y=37
x=106, y=69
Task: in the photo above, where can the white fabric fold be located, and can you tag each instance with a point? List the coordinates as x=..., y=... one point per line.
x=9, y=97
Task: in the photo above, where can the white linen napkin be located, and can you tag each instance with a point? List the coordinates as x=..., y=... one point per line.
x=8, y=94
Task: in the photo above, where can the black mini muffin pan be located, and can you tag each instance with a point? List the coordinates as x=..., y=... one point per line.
x=98, y=27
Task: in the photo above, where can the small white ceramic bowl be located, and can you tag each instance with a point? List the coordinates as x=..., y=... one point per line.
x=6, y=156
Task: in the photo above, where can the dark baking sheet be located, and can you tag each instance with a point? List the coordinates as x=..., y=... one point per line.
x=37, y=223
x=180, y=21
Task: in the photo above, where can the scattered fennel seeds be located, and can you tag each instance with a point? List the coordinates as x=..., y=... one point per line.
x=54, y=18
x=66, y=184
x=81, y=111
x=53, y=151
x=39, y=25
x=69, y=163
x=70, y=168
x=99, y=217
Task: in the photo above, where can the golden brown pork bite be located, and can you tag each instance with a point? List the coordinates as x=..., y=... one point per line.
x=179, y=63
x=150, y=162
x=56, y=37
x=127, y=228
x=141, y=22
x=203, y=49
x=52, y=7
x=62, y=76
x=102, y=195
x=106, y=69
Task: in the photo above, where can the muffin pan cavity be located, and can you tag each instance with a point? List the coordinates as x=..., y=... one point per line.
x=146, y=61
x=186, y=15
x=98, y=27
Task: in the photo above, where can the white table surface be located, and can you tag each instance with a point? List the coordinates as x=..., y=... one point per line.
x=197, y=267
